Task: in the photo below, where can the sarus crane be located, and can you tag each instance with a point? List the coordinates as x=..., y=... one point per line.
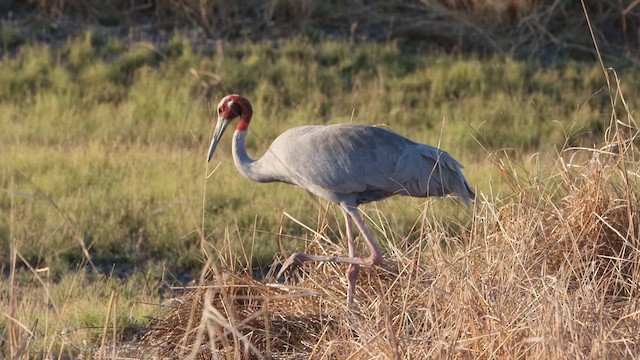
x=346, y=164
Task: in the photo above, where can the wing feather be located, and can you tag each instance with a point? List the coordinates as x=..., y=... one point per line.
x=371, y=162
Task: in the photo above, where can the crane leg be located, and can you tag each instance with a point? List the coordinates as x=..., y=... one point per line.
x=376, y=255
x=350, y=212
x=352, y=269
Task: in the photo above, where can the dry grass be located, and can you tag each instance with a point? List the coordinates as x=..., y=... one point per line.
x=550, y=272
x=525, y=28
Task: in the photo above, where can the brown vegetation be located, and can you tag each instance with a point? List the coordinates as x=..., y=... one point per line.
x=551, y=273
x=525, y=28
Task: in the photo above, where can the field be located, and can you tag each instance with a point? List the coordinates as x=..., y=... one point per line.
x=119, y=240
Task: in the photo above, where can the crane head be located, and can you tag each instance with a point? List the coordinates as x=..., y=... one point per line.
x=230, y=108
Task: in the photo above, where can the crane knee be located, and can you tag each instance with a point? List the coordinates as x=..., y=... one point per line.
x=375, y=259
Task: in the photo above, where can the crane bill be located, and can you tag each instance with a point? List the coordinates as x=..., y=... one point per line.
x=221, y=125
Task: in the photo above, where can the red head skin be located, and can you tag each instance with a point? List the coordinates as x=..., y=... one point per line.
x=232, y=106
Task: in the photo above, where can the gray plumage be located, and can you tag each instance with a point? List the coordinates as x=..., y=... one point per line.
x=346, y=164
x=355, y=164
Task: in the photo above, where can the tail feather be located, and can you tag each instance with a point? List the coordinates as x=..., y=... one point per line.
x=456, y=184
x=464, y=191
x=451, y=179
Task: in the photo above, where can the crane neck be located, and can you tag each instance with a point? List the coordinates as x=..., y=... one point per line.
x=248, y=167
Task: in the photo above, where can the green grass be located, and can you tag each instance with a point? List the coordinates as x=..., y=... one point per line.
x=71, y=310
x=97, y=148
